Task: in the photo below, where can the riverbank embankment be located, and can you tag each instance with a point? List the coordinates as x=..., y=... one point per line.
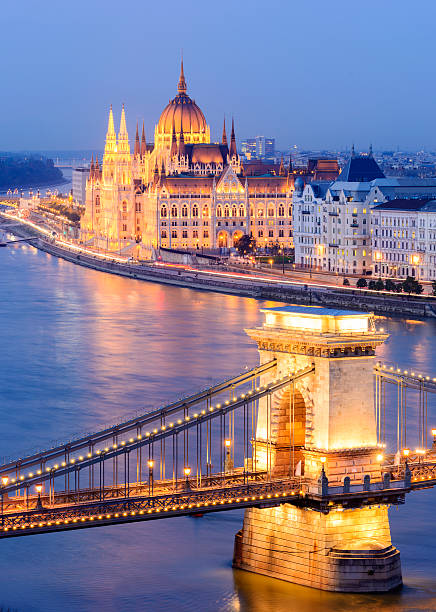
x=234, y=283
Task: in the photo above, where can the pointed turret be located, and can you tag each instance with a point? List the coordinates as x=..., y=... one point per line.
x=182, y=149
x=143, y=141
x=97, y=166
x=122, y=134
x=111, y=137
x=162, y=169
x=91, y=168
x=232, y=151
x=182, y=83
x=282, y=168
x=370, y=151
x=173, y=149
x=123, y=137
x=224, y=136
x=137, y=147
x=353, y=154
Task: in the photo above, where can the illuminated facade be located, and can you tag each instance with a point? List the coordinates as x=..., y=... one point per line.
x=183, y=191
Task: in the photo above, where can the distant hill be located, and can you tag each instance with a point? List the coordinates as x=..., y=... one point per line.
x=23, y=172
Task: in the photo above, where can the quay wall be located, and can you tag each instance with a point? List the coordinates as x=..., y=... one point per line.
x=262, y=289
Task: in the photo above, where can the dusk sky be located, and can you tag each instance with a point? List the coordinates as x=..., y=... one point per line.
x=317, y=74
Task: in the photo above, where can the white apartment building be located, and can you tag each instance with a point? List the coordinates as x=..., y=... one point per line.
x=332, y=222
x=335, y=228
x=404, y=238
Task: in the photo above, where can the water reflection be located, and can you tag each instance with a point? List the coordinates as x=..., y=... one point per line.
x=80, y=348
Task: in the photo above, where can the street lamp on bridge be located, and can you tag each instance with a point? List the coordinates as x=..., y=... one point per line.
x=38, y=488
x=187, y=472
x=150, y=464
x=228, y=465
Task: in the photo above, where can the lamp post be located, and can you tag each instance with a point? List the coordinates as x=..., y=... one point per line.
x=39, y=503
x=228, y=465
x=187, y=472
x=5, y=481
x=150, y=464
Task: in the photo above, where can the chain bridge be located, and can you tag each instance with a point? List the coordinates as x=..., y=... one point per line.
x=315, y=443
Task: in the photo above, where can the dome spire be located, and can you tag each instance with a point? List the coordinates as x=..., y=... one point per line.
x=182, y=82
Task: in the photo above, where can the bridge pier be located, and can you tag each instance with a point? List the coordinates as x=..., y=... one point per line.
x=324, y=430
x=347, y=551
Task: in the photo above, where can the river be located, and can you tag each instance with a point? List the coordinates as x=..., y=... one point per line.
x=78, y=349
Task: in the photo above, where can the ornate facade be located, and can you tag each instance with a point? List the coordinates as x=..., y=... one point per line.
x=183, y=191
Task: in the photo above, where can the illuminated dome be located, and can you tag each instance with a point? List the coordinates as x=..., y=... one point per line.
x=185, y=115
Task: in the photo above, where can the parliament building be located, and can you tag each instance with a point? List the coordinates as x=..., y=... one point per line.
x=186, y=192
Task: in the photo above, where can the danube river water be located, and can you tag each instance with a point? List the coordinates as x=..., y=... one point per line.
x=79, y=348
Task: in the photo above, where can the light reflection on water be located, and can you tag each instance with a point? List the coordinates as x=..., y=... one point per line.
x=80, y=348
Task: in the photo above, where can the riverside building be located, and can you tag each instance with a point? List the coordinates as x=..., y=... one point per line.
x=184, y=191
x=404, y=238
x=337, y=225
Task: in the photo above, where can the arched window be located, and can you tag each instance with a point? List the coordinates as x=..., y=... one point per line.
x=271, y=211
x=260, y=212
x=97, y=201
x=124, y=206
x=163, y=234
x=251, y=211
x=195, y=210
x=174, y=210
x=234, y=211
x=184, y=210
x=241, y=211
x=173, y=233
x=163, y=211
x=290, y=211
x=205, y=211
x=219, y=211
x=281, y=211
x=226, y=211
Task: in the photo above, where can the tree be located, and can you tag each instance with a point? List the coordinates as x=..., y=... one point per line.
x=390, y=285
x=246, y=244
x=346, y=282
x=371, y=285
x=379, y=285
x=411, y=285
x=361, y=283
x=433, y=287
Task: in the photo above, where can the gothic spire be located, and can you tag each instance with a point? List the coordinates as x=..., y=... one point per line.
x=290, y=164
x=143, y=141
x=97, y=167
x=282, y=168
x=224, y=137
x=137, y=148
x=182, y=82
x=370, y=151
x=173, y=149
x=91, y=168
x=110, y=126
x=122, y=134
x=182, y=149
x=233, y=151
x=353, y=153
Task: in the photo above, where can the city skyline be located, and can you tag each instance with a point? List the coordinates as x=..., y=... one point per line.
x=369, y=89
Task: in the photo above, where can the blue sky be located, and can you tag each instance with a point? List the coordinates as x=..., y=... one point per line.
x=313, y=73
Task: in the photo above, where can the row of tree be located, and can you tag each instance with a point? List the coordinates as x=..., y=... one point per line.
x=410, y=285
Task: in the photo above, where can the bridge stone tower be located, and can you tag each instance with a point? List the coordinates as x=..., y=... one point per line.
x=323, y=426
